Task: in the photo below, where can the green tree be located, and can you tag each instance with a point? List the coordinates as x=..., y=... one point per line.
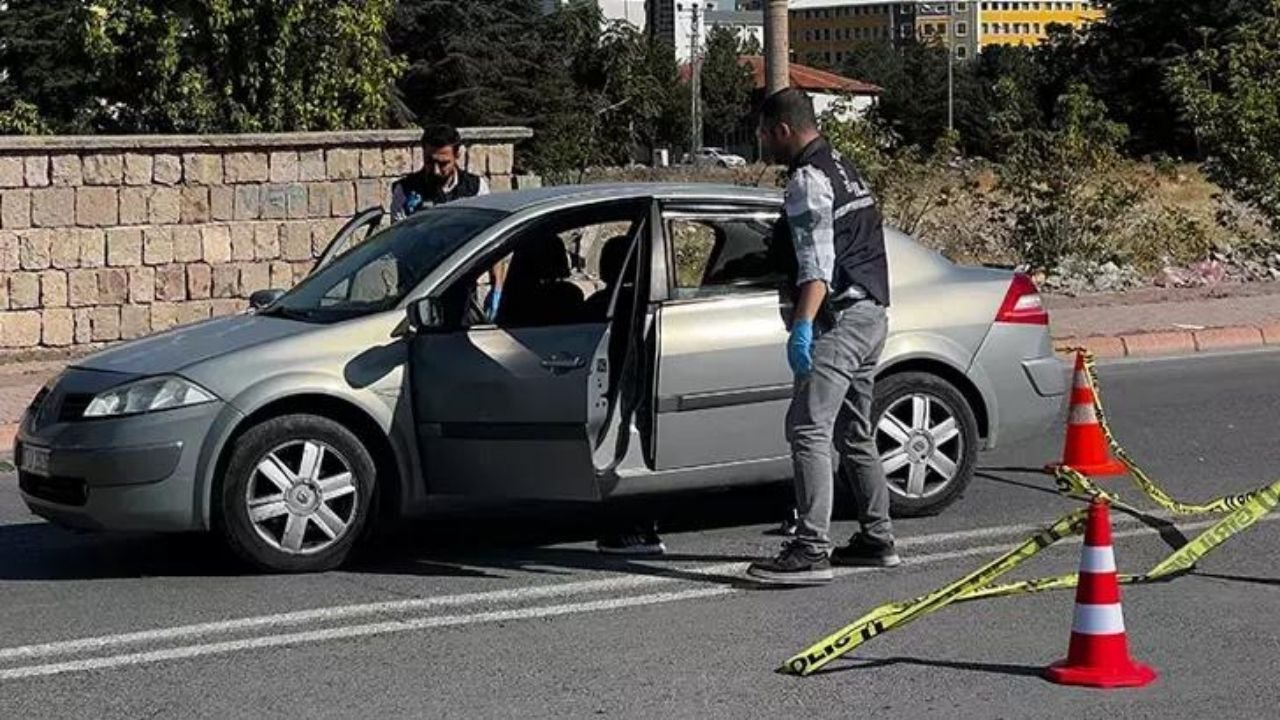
x=1065, y=193
x=241, y=65
x=46, y=77
x=1231, y=96
x=726, y=84
x=913, y=102
x=1127, y=58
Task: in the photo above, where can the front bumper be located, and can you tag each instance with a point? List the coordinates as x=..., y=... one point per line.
x=135, y=473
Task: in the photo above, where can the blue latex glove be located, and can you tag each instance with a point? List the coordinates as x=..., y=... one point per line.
x=800, y=348
x=491, y=304
x=412, y=203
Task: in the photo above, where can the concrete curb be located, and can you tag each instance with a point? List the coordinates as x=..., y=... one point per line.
x=1181, y=342
x=1149, y=344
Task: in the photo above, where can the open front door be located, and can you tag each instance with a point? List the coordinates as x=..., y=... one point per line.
x=514, y=408
x=512, y=413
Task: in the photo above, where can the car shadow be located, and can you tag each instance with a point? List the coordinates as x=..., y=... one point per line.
x=40, y=551
x=490, y=542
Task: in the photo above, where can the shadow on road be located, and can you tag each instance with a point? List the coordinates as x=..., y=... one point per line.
x=991, y=668
x=490, y=542
x=1237, y=578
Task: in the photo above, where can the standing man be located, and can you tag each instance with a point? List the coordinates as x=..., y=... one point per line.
x=832, y=240
x=441, y=181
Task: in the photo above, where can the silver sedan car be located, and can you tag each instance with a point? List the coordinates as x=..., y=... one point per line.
x=637, y=348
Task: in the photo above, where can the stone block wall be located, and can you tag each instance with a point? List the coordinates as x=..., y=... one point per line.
x=111, y=238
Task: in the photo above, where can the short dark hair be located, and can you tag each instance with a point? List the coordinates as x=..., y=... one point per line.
x=438, y=136
x=790, y=106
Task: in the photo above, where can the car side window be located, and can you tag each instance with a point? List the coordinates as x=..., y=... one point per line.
x=721, y=255
x=562, y=270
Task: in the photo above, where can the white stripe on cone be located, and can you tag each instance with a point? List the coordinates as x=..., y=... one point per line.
x=1083, y=414
x=1082, y=381
x=1097, y=560
x=1098, y=619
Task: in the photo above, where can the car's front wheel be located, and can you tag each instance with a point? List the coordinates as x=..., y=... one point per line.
x=296, y=494
x=927, y=438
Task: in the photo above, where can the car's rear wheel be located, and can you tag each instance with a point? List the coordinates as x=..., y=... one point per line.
x=927, y=437
x=296, y=494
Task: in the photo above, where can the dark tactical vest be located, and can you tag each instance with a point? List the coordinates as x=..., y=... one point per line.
x=422, y=190
x=859, y=230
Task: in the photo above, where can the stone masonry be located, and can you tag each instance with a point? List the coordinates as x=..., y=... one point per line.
x=112, y=238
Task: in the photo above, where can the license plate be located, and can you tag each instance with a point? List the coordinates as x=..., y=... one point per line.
x=35, y=460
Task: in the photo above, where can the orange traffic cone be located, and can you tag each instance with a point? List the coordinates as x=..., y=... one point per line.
x=1099, y=652
x=1086, y=448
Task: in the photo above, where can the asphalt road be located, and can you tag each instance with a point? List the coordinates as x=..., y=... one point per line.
x=512, y=613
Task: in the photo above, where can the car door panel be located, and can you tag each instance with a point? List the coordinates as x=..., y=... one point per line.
x=511, y=413
x=723, y=382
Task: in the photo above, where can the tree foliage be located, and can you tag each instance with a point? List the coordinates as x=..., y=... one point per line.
x=726, y=83
x=1231, y=96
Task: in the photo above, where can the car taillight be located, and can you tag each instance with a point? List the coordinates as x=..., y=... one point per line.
x=1022, y=304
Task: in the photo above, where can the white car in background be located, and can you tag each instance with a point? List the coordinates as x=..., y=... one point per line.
x=717, y=157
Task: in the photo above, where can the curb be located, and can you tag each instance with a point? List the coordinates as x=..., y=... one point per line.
x=1167, y=344
x=1107, y=347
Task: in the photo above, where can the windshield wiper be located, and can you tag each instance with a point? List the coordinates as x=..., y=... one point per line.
x=291, y=314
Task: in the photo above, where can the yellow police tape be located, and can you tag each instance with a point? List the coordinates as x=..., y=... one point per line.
x=1241, y=512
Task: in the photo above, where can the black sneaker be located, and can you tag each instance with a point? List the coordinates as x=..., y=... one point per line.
x=795, y=565
x=638, y=542
x=861, y=552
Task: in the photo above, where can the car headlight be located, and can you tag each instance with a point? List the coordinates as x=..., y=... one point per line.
x=149, y=395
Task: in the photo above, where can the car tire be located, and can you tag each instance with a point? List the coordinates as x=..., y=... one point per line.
x=311, y=526
x=941, y=452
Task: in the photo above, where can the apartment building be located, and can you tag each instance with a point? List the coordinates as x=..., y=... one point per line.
x=823, y=31
x=1026, y=22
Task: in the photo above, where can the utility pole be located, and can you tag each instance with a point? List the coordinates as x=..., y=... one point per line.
x=951, y=60
x=777, y=46
x=695, y=83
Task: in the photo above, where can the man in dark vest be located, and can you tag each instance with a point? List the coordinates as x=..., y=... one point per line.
x=831, y=241
x=441, y=181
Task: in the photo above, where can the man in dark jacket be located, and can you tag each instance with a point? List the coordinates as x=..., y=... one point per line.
x=840, y=288
x=440, y=181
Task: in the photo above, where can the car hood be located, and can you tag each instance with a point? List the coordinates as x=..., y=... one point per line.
x=173, y=350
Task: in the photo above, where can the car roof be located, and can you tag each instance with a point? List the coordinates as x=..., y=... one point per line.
x=520, y=200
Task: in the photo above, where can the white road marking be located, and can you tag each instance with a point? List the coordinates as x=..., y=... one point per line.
x=353, y=631
x=522, y=594
x=624, y=582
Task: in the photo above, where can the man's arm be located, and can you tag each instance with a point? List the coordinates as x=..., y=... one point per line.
x=397, y=207
x=809, y=214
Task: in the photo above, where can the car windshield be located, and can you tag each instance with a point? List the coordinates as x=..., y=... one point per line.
x=376, y=275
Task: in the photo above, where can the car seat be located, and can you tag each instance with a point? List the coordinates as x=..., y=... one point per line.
x=538, y=291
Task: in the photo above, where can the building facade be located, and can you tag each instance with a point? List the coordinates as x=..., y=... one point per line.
x=631, y=11
x=1026, y=22
x=824, y=31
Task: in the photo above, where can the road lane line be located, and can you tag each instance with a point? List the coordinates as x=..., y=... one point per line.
x=540, y=592
x=345, y=612
x=354, y=631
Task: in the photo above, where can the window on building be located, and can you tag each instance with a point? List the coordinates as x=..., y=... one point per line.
x=961, y=7
x=986, y=28
x=826, y=34
x=907, y=30
x=1037, y=26
x=1005, y=28
x=962, y=28
x=962, y=52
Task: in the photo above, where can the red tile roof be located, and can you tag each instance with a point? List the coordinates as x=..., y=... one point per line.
x=803, y=77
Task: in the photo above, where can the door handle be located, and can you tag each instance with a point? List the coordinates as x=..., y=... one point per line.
x=560, y=363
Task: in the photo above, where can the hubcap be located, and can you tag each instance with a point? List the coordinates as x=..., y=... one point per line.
x=920, y=445
x=302, y=497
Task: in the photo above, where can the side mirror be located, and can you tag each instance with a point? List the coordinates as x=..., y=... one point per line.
x=427, y=315
x=265, y=298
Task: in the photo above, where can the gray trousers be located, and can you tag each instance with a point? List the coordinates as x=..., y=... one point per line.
x=831, y=411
